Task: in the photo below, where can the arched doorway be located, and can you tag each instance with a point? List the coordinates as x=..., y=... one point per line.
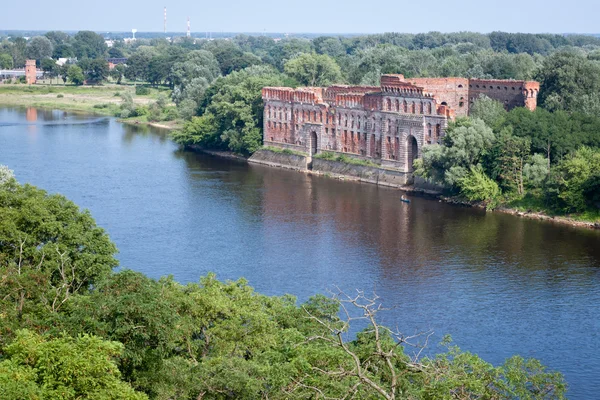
x=313, y=143
x=412, y=152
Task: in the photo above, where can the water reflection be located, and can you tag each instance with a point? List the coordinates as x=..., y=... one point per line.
x=499, y=284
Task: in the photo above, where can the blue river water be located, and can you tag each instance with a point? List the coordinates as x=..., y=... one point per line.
x=500, y=285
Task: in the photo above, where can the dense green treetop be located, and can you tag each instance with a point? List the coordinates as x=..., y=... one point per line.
x=71, y=329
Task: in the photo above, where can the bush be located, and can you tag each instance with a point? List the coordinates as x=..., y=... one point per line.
x=171, y=114
x=477, y=186
x=60, y=96
x=140, y=111
x=142, y=91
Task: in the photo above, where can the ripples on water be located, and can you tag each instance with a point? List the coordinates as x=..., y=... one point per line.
x=499, y=284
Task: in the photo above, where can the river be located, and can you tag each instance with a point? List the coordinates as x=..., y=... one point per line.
x=498, y=284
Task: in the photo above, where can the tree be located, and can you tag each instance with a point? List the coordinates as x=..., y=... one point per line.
x=49, y=67
x=75, y=75
x=63, y=72
x=508, y=158
x=18, y=49
x=35, y=367
x=187, y=109
x=236, y=103
x=198, y=131
x=565, y=77
x=6, y=175
x=87, y=44
x=314, y=69
x=116, y=52
x=38, y=48
x=95, y=71
x=375, y=365
x=58, y=38
x=6, y=61
x=49, y=251
x=192, y=77
x=138, y=66
x=465, y=145
x=575, y=182
x=117, y=73
x=536, y=171
x=330, y=46
x=230, y=56
x=490, y=111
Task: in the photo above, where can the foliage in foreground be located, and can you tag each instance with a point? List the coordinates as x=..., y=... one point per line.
x=66, y=368
x=67, y=324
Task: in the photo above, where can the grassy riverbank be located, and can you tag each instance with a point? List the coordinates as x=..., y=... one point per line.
x=100, y=100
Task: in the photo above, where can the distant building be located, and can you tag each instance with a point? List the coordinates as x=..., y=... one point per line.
x=30, y=72
x=63, y=61
x=113, y=62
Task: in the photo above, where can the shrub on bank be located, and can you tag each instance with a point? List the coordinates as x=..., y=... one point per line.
x=142, y=90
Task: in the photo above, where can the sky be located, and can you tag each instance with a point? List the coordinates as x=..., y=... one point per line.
x=314, y=16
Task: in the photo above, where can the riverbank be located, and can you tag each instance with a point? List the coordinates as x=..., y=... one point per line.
x=371, y=174
x=98, y=100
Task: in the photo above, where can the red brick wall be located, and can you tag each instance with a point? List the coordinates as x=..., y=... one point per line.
x=510, y=93
x=454, y=92
x=30, y=72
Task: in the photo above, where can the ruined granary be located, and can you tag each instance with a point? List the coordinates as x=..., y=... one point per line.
x=389, y=124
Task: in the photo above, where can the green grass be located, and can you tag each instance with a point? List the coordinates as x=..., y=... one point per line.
x=284, y=151
x=327, y=155
x=534, y=202
x=587, y=216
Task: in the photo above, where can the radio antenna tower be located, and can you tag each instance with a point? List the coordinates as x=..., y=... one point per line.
x=165, y=23
x=189, y=32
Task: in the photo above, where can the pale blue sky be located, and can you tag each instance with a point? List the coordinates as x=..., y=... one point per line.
x=324, y=16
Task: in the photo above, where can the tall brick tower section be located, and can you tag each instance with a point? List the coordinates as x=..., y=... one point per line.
x=30, y=72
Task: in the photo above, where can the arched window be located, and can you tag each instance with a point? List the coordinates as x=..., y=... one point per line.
x=413, y=108
x=397, y=108
x=429, y=108
x=421, y=108
x=405, y=106
x=388, y=104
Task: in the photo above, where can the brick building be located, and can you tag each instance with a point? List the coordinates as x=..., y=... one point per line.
x=30, y=72
x=387, y=124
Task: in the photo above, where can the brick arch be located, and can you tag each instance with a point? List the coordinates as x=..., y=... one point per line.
x=412, y=151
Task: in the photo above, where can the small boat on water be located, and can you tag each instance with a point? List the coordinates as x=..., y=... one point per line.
x=404, y=199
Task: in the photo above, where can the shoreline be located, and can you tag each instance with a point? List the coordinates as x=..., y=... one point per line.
x=418, y=192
